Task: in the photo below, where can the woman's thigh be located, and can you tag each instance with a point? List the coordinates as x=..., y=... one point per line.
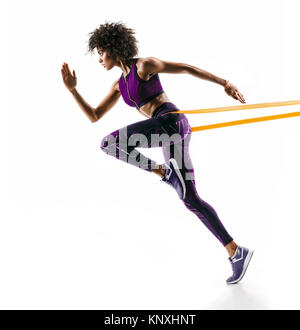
x=153, y=132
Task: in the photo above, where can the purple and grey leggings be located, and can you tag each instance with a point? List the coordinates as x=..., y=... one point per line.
x=171, y=132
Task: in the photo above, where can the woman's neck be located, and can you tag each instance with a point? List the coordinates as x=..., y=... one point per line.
x=125, y=68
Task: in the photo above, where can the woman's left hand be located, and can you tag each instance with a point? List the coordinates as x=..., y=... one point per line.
x=231, y=90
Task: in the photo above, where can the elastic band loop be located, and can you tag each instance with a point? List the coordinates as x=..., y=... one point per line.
x=245, y=121
x=242, y=107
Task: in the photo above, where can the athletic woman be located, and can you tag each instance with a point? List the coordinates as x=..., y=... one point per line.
x=140, y=87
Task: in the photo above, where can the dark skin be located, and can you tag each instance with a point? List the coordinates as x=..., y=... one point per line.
x=146, y=67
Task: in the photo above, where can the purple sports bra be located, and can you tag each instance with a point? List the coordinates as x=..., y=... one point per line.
x=137, y=91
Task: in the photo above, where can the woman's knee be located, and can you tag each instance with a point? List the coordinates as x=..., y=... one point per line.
x=104, y=144
x=109, y=142
x=192, y=199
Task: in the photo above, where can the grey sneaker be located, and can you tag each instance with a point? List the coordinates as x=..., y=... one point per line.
x=174, y=178
x=239, y=262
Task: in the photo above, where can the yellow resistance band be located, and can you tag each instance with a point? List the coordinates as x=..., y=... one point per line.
x=242, y=107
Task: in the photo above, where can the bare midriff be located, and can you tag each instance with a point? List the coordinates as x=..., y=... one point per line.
x=148, y=108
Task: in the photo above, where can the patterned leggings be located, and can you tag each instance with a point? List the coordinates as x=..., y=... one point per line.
x=171, y=132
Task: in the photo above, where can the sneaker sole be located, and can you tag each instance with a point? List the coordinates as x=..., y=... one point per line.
x=174, y=163
x=246, y=264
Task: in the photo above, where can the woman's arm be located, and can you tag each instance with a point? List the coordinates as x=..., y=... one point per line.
x=155, y=65
x=94, y=114
x=84, y=106
x=109, y=101
x=152, y=65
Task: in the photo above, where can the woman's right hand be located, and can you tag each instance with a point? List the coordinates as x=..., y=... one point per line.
x=70, y=80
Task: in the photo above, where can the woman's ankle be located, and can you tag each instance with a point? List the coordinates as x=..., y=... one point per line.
x=159, y=171
x=231, y=248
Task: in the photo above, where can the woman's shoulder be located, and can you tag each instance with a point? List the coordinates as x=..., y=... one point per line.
x=140, y=61
x=143, y=67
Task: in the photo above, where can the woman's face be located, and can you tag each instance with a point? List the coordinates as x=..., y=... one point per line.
x=105, y=59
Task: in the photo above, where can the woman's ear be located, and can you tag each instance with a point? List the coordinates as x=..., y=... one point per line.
x=116, y=58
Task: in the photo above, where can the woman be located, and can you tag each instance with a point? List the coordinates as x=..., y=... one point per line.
x=140, y=87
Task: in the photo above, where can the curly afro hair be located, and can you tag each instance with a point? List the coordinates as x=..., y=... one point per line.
x=116, y=39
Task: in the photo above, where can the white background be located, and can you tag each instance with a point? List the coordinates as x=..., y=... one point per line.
x=82, y=230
